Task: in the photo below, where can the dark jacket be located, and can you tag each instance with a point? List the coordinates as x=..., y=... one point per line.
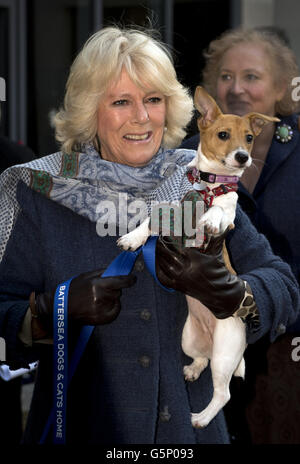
x=274, y=206
x=129, y=386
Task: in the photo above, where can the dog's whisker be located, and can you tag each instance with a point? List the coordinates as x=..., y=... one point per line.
x=254, y=167
x=259, y=160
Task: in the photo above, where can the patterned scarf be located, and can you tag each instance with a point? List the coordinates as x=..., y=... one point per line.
x=81, y=181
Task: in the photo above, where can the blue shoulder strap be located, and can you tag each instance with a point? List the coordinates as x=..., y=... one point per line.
x=122, y=265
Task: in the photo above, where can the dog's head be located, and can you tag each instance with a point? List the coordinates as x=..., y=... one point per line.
x=227, y=138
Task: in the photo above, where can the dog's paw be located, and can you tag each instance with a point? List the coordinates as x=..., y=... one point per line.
x=129, y=242
x=211, y=221
x=135, y=238
x=199, y=421
x=211, y=228
x=192, y=371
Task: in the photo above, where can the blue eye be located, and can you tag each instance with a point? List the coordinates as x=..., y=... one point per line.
x=251, y=77
x=154, y=100
x=120, y=102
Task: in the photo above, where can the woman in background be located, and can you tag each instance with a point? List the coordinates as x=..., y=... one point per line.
x=253, y=70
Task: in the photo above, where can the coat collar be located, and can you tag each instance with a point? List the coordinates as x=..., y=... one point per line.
x=278, y=153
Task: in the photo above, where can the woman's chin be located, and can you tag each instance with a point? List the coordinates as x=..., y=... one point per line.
x=139, y=157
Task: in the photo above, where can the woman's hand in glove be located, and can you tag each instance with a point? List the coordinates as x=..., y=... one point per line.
x=201, y=275
x=92, y=300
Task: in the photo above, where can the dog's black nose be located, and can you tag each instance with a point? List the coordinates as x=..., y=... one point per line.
x=241, y=157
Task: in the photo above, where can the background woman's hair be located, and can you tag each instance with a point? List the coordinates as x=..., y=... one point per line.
x=99, y=63
x=281, y=56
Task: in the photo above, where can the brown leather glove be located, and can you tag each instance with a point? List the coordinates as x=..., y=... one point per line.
x=202, y=275
x=92, y=300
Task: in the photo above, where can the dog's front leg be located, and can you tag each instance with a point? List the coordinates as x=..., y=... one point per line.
x=221, y=215
x=212, y=220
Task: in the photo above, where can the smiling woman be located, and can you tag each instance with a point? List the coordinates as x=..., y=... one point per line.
x=131, y=122
x=124, y=113
x=99, y=76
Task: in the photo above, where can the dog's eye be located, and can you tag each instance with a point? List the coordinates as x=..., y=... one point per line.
x=223, y=135
x=249, y=138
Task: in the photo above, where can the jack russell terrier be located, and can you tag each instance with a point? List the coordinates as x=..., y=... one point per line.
x=226, y=142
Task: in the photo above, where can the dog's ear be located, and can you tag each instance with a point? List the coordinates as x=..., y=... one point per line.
x=206, y=106
x=258, y=121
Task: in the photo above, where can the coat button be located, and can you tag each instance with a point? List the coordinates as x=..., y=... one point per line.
x=145, y=315
x=281, y=329
x=144, y=361
x=139, y=264
x=164, y=415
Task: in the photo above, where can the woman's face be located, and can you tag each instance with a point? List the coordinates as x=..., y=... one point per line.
x=245, y=81
x=131, y=122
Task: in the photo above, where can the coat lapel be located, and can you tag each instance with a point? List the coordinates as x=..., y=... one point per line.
x=278, y=153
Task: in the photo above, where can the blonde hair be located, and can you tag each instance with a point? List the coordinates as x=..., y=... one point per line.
x=282, y=59
x=101, y=60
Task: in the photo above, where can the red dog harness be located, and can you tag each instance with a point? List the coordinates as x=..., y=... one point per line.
x=208, y=194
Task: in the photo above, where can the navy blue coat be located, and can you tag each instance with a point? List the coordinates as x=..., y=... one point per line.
x=274, y=206
x=129, y=386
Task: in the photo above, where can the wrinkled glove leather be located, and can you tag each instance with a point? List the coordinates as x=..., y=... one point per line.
x=201, y=275
x=92, y=300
